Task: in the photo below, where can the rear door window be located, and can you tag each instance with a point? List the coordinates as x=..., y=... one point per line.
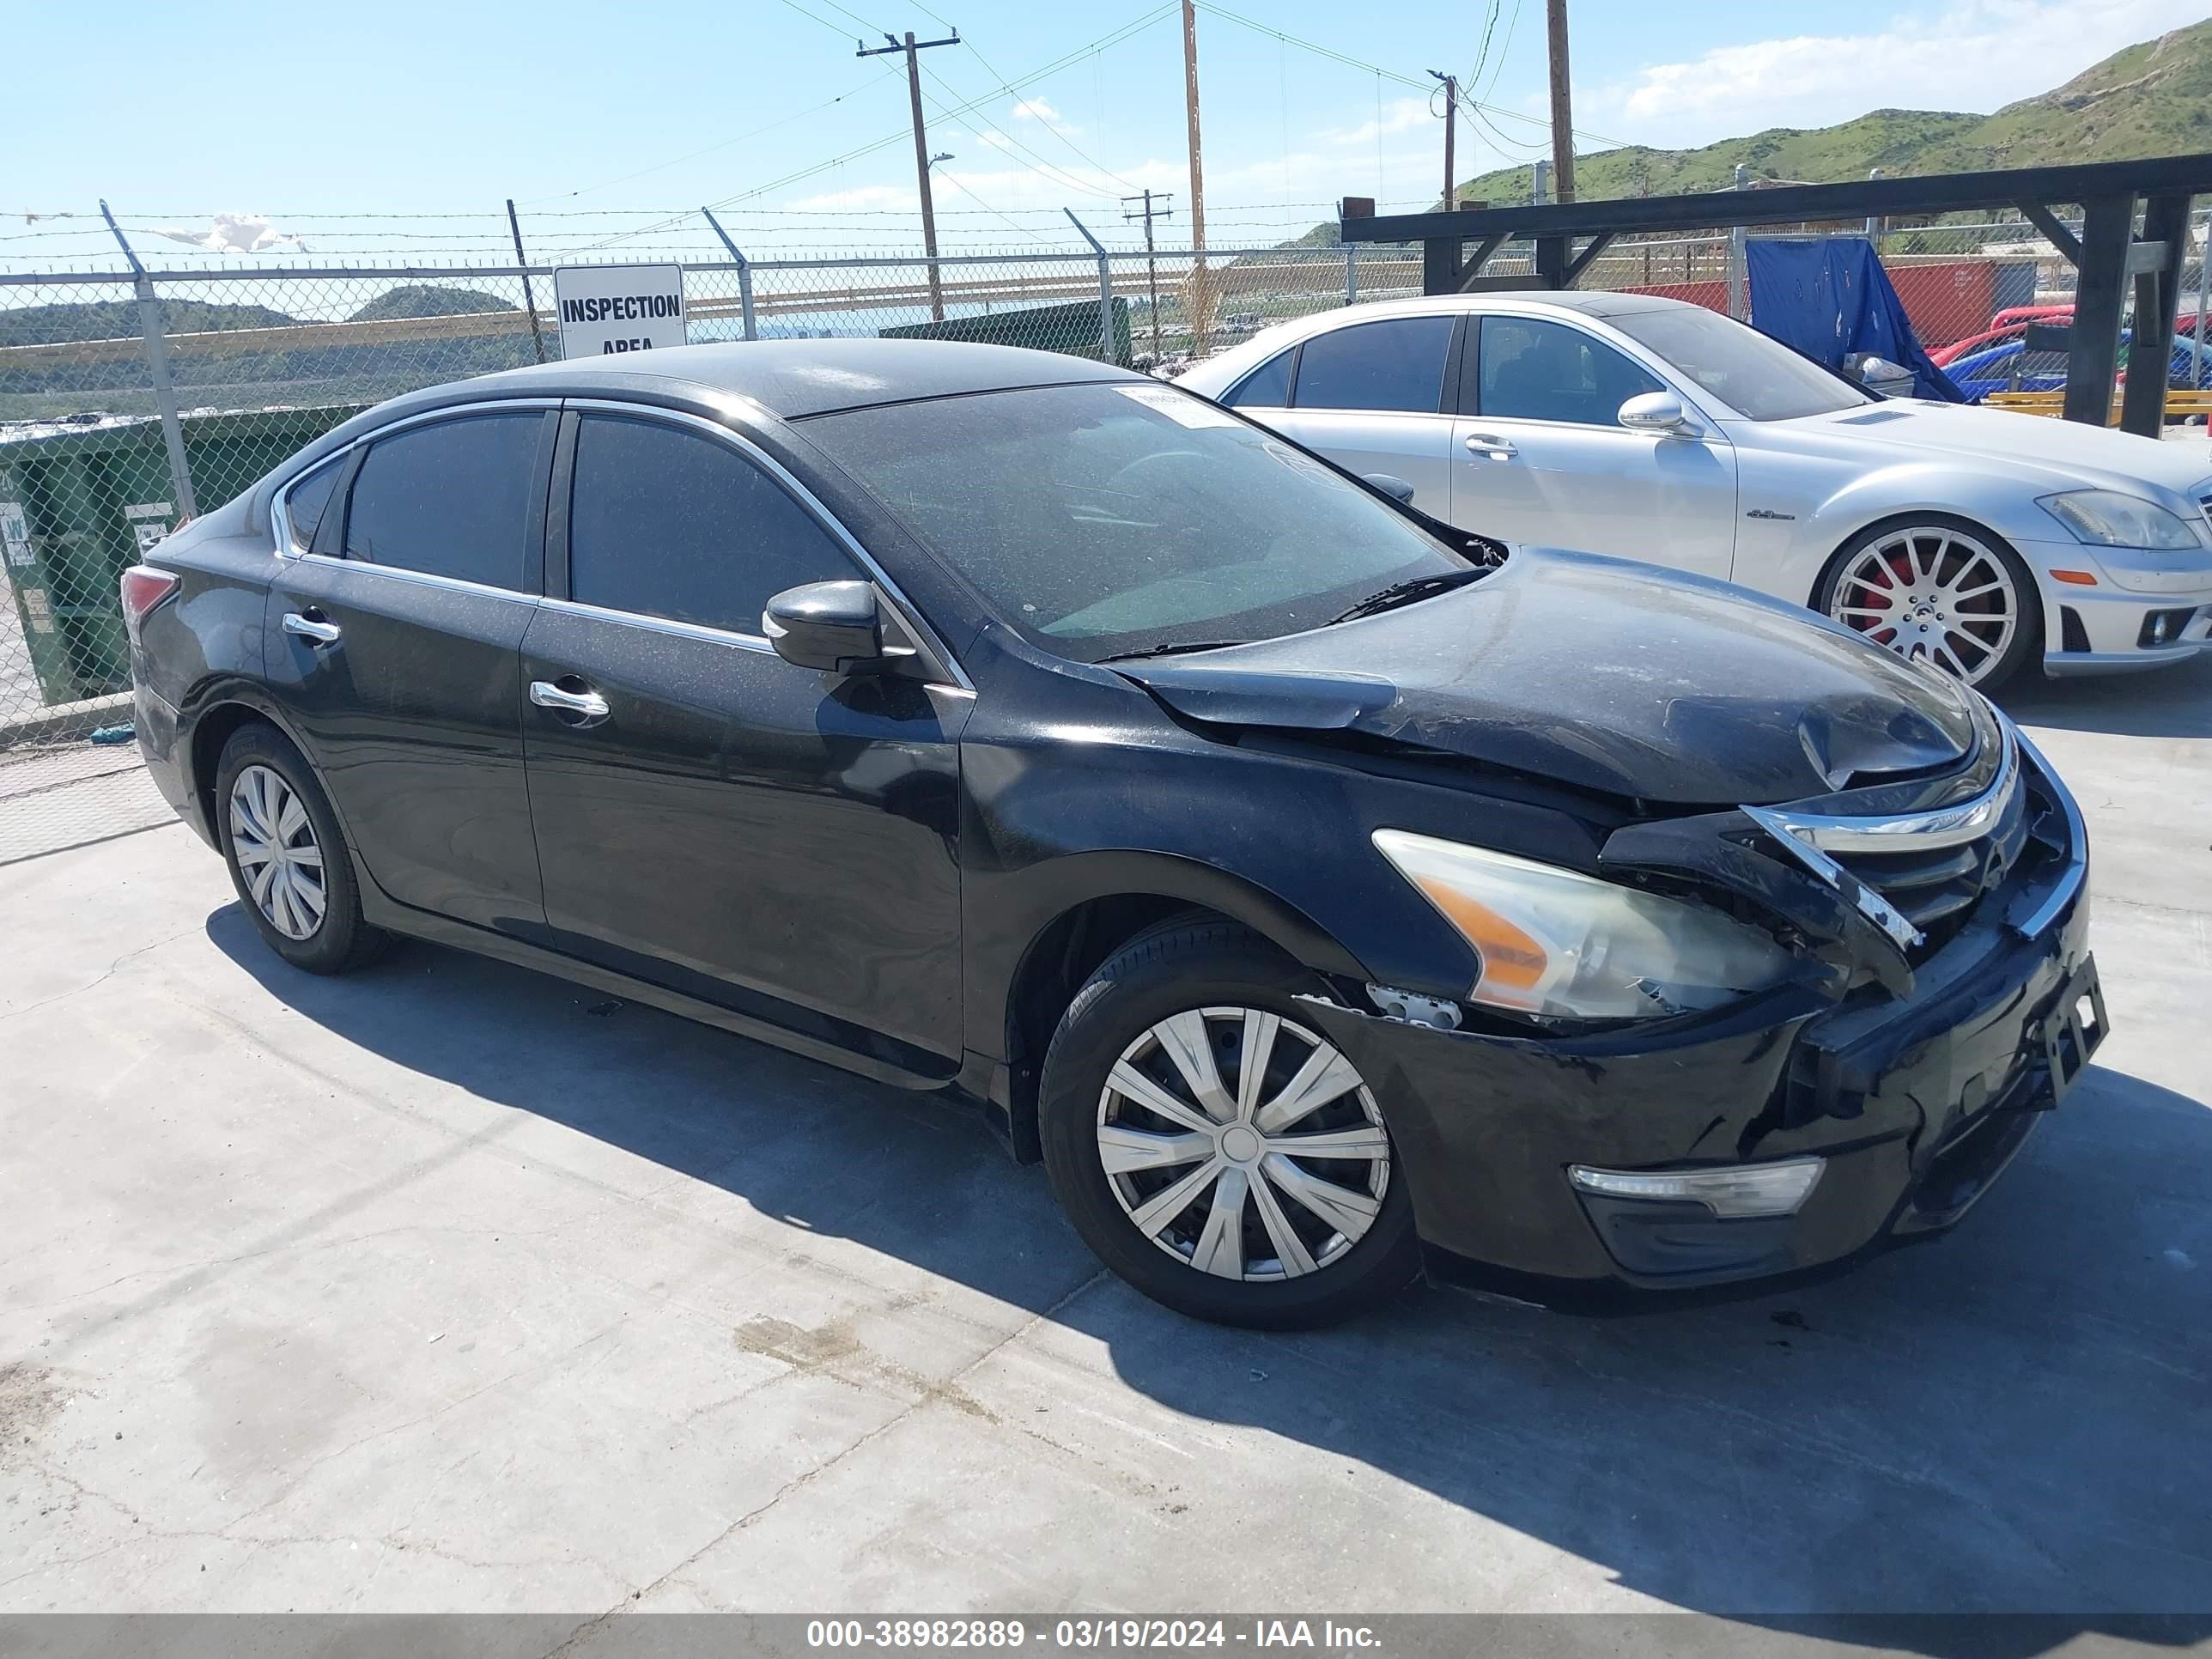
x=450, y=499
x=1397, y=365
x=671, y=523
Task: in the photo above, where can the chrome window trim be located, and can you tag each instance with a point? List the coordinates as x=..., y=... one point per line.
x=420, y=578
x=280, y=522
x=1946, y=826
x=806, y=499
x=660, y=625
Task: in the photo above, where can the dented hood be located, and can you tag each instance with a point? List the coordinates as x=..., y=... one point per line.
x=1600, y=673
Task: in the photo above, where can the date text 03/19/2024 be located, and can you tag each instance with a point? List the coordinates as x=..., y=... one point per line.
x=1084, y=1633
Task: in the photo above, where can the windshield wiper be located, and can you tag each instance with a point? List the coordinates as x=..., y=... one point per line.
x=1405, y=592
x=1170, y=650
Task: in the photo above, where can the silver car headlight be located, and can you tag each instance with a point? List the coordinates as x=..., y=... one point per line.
x=1558, y=944
x=2107, y=518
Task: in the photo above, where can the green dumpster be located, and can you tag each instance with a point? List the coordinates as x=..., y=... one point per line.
x=82, y=497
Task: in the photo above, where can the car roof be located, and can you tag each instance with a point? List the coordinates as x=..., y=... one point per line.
x=795, y=379
x=1215, y=374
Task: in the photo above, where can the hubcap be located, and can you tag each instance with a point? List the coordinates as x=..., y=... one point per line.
x=1243, y=1145
x=1929, y=591
x=273, y=840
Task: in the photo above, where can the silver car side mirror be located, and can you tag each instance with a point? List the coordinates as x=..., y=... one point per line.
x=1655, y=411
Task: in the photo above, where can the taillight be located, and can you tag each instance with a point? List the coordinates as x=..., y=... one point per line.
x=143, y=587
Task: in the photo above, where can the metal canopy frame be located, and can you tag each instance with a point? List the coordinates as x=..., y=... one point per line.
x=2107, y=256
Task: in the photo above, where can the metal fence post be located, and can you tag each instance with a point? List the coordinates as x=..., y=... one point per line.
x=745, y=275
x=2204, y=272
x=1106, y=351
x=1350, y=275
x=529, y=299
x=1739, y=263
x=157, y=365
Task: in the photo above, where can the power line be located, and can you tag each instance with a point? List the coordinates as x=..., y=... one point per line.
x=1113, y=38
x=1406, y=81
x=1051, y=172
x=1077, y=150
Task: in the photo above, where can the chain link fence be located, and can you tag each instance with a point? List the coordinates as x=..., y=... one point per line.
x=131, y=399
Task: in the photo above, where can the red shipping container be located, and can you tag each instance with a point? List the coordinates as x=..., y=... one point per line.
x=1947, y=301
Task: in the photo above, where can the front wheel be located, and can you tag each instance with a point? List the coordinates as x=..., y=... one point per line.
x=1211, y=1146
x=1937, y=589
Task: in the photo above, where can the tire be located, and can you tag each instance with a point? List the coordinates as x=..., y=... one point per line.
x=313, y=924
x=1943, y=558
x=1211, y=979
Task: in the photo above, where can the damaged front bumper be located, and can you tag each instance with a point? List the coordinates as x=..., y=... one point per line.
x=1914, y=1102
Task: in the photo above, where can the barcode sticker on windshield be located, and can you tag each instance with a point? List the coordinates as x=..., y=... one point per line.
x=1179, y=406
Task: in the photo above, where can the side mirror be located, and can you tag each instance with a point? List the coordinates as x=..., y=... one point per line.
x=831, y=626
x=1396, y=489
x=1655, y=411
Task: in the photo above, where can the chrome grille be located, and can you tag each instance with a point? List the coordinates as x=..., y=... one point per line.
x=1935, y=888
x=1923, y=871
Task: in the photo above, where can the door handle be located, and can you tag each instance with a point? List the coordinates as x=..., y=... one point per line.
x=311, y=626
x=589, y=704
x=1490, y=448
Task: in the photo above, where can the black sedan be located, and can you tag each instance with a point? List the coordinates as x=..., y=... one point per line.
x=1312, y=886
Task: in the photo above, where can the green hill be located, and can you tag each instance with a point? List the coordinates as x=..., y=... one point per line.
x=2151, y=99
x=421, y=300
x=112, y=319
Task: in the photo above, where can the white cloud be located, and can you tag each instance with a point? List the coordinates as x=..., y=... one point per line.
x=1972, y=54
x=1038, y=109
x=1399, y=115
x=862, y=198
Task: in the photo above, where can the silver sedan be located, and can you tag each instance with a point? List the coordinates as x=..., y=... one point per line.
x=1648, y=429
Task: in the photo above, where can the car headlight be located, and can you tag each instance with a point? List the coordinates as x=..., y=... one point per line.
x=1558, y=944
x=2106, y=517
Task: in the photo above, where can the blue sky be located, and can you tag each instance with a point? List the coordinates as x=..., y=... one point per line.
x=604, y=120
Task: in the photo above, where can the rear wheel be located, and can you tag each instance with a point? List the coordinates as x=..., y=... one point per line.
x=1939, y=589
x=1213, y=1146
x=287, y=856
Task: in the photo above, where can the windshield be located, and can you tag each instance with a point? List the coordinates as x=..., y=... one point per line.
x=1758, y=377
x=1106, y=520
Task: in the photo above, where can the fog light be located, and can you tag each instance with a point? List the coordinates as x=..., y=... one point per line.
x=1742, y=1189
x=2164, y=627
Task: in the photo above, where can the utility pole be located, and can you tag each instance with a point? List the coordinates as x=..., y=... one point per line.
x=1202, y=305
x=1563, y=122
x=1451, y=125
x=1151, y=267
x=910, y=46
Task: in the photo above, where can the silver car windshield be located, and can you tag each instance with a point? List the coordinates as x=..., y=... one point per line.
x=1760, y=378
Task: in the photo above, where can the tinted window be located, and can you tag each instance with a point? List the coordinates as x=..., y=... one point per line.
x=1534, y=369
x=1268, y=386
x=304, y=505
x=449, y=499
x=1106, y=520
x=669, y=523
x=1396, y=365
x=1754, y=375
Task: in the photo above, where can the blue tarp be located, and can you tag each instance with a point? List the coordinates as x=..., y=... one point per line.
x=1829, y=298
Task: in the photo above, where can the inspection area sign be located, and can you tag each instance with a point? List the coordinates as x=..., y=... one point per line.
x=608, y=308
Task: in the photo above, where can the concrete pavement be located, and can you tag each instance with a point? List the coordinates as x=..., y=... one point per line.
x=450, y=1287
